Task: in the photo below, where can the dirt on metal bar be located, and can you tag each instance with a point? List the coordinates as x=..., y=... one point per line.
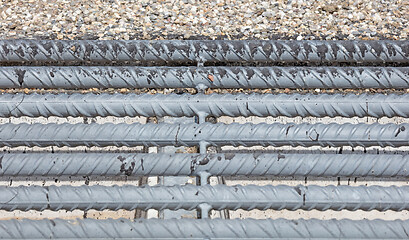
x=168, y=51
x=228, y=164
x=84, y=77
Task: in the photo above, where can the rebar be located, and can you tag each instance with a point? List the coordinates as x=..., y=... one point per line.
x=234, y=105
x=204, y=229
x=217, y=197
x=228, y=164
x=203, y=51
x=196, y=77
x=334, y=135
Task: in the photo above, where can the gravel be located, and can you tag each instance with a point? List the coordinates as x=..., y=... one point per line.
x=205, y=19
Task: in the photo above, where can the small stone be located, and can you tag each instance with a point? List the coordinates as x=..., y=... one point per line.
x=210, y=77
x=124, y=90
x=268, y=14
x=330, y=8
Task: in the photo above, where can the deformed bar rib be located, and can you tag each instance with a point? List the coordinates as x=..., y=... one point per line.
x=229, y=164
x=81, y=51
x=84, y=77
x=333, y=135
x=218, y=197
x=204, y=229
x=217, y=105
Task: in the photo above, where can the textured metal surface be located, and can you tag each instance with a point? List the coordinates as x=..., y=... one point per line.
x=234, y=105
x=230, y=164
x=217, y=197
x=213, y=77
x=204, y=51
x=55, y=64
x=204, y=229
x=335, y=135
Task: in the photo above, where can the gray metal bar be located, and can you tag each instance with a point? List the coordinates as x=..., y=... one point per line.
x=263, y=105
x=229, y=164
x=179, y=180
x=204, y=51
x=204, y=229
x=217, y=197
x=334, y=135
x=201, y=77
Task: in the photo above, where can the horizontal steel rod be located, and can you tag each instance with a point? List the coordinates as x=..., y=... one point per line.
x=229, y=164
x=204, y=229
x=203, y=77
x=204, y=51
x=334, y=135
x=234, y=105
x=218, y=197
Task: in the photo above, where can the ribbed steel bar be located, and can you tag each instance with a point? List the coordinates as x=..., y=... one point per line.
x=229, y=164
x=204, y=229
x=217, y=197
x=234, y=105
x=213, y=77
x=335, y=135
x=204, y=51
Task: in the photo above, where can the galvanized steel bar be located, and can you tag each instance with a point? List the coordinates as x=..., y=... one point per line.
x=228, y=164
x=217, y=197
x=203, y=51
x=204, y=229
x=234, y=105
x=202, y=77
x=334, y=135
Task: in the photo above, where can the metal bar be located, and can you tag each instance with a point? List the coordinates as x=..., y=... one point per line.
x=229, y=164
x=204, y=229
x=234, y=105
x=180, y=180
x=334, y=135
x=203, y=77
x=216, y=197
x=204, y=51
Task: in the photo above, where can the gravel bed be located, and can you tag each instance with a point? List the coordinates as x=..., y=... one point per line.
x=205, y=19
x=207, y=91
